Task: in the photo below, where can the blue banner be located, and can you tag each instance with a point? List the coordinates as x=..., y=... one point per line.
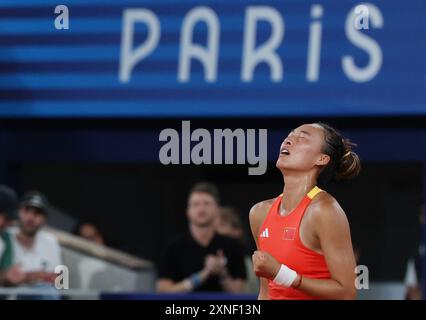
x=154, y=58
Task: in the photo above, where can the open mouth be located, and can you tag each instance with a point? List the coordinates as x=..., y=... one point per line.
x=284, y=151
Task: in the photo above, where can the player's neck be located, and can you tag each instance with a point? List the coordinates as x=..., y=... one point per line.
x=296, y=186
x=202, y=234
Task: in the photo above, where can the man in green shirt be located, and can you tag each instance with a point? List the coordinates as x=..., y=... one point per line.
x=8, y=207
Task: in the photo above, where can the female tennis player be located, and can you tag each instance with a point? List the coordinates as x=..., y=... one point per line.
x=303, y=236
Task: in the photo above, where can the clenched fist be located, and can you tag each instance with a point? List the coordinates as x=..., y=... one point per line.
x=265, y=265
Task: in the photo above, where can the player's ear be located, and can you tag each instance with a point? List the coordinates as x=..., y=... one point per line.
x=323, y=160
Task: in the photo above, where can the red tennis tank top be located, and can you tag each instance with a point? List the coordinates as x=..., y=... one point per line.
x=279, y=236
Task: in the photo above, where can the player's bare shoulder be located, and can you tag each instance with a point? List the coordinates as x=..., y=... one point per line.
x=324, y=206
x=259, y=211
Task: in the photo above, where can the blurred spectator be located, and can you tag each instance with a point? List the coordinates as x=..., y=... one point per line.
x=89, y=231
x=413, y=277
x=8, y=206
x=201, y=259
x=230, y=225
x=411, y=281
x=35, y=253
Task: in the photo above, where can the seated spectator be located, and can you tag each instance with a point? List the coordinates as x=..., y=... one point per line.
x=201, y=259
x=35, y=253
x=229, y=224
x=89, y=231
x=8, y=206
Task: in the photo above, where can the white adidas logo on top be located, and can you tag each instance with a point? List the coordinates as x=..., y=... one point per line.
x=265, y=233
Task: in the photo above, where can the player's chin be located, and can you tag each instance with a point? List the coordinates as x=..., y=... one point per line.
x=282, y=164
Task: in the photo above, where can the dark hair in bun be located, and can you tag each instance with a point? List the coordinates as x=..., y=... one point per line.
x=344, y=162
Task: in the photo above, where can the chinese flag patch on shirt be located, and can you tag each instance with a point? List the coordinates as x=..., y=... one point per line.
x=289, y=233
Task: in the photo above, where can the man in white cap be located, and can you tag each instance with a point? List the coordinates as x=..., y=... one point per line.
x=36, y=253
